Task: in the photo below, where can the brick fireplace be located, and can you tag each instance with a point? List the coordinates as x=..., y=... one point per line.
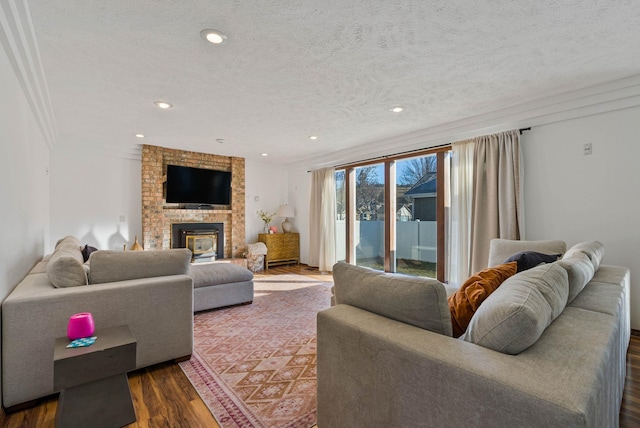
x=205, y=240
x=158, y=216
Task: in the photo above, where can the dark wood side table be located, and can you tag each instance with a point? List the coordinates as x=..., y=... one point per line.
x=93, y=384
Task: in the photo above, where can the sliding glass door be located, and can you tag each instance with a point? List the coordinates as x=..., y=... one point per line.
x=369, y=216
x=416, y=221
x=341, y=216
x=392, y=215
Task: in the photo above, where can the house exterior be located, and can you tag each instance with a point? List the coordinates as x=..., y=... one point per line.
x=423, y=196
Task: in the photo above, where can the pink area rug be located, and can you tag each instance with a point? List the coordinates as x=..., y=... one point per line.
x=255, y=365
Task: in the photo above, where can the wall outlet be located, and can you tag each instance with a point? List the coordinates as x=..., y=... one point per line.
x=588, y=149
x=121, y=219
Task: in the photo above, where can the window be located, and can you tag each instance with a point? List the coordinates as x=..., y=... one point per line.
x=369, y=213
x=341, y=216
x=407, y=235
x=416, y=219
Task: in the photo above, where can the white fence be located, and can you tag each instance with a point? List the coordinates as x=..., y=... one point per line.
x=415, y=240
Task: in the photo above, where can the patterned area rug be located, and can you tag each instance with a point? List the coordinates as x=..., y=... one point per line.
x=255, y=365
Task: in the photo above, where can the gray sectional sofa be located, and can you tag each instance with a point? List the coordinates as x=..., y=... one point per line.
x=546, y=349
x=150, y=291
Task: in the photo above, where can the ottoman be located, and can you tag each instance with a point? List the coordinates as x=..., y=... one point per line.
x=220, y=284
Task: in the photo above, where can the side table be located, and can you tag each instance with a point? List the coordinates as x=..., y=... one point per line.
x=93, y=384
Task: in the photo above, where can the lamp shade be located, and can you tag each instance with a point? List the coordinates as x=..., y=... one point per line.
x=285, y=211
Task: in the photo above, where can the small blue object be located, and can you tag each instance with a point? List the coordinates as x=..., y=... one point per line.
x=80, y=343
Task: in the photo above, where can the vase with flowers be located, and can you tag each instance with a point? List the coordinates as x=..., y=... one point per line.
x=266, y=217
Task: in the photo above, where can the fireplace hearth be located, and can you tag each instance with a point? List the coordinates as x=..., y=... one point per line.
x=205, y=240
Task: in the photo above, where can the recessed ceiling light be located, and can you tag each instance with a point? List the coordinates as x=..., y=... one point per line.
x=163, y=104
x=140, y=135
x=313, y=137
x=213, y=36
x=396, y=109
x=265, y=154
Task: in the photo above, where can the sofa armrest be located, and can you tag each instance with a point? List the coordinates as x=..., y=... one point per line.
x=159, y=312
x=374, y=371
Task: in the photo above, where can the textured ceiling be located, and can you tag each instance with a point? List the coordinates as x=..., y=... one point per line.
x=332, y=68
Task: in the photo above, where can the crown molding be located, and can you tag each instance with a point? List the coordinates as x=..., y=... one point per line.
x=70, y=145
x=18, y=39
x=610, y=96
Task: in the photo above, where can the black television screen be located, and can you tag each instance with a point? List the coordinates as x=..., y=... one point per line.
x=188, y=185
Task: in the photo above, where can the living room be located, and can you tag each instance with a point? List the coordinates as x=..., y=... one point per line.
x=57, y=182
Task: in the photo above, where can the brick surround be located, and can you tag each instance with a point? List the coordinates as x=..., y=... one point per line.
x=157, y=216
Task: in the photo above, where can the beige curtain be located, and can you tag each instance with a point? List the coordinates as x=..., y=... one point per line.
x=497, y=194
x=322, y=235
x=461, y=193
x=486, y=200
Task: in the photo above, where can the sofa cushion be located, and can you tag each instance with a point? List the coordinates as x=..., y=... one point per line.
x=579, y=270
x=65, y=268
x=593, y=249
x=517, y=313
x=205, y=275
x=68, y=240
x=501, y=249
x=421, y=302
x=601, y=297
x=111, y=266
x=528, y=259
x=467, y=299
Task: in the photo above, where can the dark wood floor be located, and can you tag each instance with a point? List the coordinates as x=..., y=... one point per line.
x=164, y=397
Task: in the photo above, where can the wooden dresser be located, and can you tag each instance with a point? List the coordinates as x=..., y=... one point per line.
x=282, y=248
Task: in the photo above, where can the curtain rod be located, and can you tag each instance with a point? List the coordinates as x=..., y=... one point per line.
x=363, y=161
x=520, y=131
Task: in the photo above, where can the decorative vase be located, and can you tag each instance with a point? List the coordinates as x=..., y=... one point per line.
x=266, y=227
x=136, y=245
x=80, y=325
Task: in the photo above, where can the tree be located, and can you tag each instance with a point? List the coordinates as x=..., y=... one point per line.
x=369, y=192
x=341, y=203
x=414, y=169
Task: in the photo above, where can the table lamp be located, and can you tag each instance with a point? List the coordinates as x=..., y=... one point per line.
x=287, y=212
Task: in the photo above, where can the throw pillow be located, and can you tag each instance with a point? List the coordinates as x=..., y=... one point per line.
x=464, y=303
x=86, y=252
x=593, y=249
x=500, y=249
x=65, y=269
x=528, y=259
x=520, y=310
x=579, y=271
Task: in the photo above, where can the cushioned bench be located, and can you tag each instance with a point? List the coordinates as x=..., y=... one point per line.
x=220, y=284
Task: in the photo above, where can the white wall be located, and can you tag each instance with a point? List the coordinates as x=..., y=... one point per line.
x=266, y=190
x=575, y=197
x=96, y=198
x=91, y=192
x=24, y=184
x=299, y=197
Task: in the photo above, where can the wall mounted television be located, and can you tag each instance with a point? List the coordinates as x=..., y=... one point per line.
x=187, y=185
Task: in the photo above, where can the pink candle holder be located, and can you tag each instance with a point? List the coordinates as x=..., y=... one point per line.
x=80, y=325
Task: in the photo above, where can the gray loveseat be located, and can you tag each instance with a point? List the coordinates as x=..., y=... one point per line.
x=546, y=349
x=149, y=291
